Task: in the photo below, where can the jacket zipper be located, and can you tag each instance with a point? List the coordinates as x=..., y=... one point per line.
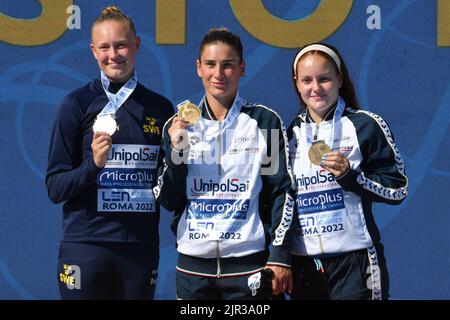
x=219, y=271
x=316, y=134
x=320, y=244
x=219, y=150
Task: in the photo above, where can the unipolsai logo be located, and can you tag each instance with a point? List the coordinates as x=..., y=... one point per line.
x=132, y=153
x=71, y=276
x=232, y=186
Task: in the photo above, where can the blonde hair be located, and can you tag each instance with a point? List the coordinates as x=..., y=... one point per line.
x=115, y=14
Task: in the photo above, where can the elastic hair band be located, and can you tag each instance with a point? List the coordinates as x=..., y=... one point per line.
x=318, y=47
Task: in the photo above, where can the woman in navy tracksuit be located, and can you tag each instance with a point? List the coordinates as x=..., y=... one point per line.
x=110, y=239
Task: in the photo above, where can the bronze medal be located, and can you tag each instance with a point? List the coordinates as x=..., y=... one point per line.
x=317, y=150
x=189, y=112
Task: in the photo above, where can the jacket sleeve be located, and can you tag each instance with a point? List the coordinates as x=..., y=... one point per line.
x=381, y=175
x=278, y=188
x=170, y=190
x=68, y=174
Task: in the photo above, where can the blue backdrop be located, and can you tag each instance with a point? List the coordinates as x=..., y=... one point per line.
x=397, y=53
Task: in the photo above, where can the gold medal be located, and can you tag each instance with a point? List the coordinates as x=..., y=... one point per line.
x=317, y=150
x=189, y=112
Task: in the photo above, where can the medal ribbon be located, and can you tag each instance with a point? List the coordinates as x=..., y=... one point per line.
x=228, y=121
x=116, y=100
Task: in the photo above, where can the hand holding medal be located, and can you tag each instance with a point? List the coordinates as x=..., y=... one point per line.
x=188, y=114
x=335, y=163
x=104, y=127
x=101, y=145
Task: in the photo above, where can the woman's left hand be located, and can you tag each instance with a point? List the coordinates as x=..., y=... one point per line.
x=282, y=280
x=335, y=163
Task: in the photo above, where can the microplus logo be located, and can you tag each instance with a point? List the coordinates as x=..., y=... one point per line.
x=321, y=176
x=320, y=201
x=126, y=177
x=202, y=186
x=217, y=209
x=142, y=154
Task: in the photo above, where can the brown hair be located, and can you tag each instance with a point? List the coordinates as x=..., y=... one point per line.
x=114, y=13
x=222, y=35
x=346, y=91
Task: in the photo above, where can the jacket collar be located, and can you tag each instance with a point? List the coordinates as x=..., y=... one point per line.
x=232, y=114
x=335, y=112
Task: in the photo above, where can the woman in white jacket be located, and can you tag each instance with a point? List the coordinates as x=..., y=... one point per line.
x=231, y=201
x=343, y=160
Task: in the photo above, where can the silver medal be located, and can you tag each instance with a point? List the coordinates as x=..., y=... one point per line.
x=106, y=124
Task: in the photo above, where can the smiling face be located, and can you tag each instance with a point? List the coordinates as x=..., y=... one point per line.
x=220, y=68
x=318, y=83
x=114, y=46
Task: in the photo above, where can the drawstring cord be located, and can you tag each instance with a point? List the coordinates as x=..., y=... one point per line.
x=319, y=266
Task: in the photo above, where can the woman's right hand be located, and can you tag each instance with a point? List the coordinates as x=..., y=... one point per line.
x=101, y=145
x=178, y=133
